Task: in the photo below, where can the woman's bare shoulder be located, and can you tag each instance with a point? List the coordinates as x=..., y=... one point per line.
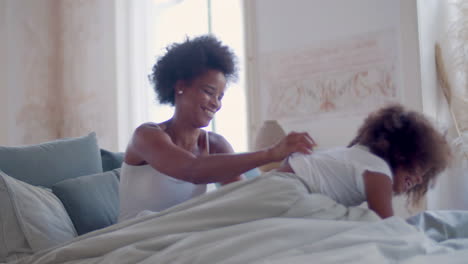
x=145, y=136
x=152, y=126
x=150, y=130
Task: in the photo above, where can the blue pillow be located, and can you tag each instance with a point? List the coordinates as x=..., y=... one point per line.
x=91, y=201
x=111, y=160
x=442, y=225
x=51, y=162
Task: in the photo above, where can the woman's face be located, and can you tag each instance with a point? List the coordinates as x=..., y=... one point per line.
x=404, y=181
x=201, y=98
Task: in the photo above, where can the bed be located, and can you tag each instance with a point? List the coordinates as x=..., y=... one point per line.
x=271, y=218
x=266, y=221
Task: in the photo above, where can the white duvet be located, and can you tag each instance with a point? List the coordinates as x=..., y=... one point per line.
x=269, y=219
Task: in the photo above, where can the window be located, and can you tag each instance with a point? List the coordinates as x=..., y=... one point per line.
x=172, y=21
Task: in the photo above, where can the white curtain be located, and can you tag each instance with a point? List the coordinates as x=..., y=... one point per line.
x=132, y=52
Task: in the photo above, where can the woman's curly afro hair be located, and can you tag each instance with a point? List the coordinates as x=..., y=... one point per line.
x=188, y=60
x=408, y=140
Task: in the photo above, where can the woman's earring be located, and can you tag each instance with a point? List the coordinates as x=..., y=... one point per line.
x=180, y=92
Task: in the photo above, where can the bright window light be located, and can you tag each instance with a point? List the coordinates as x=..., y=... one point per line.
x=173, y=21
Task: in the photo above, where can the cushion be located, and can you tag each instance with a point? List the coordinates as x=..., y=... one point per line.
x=111, y=160
x=92, y=201
x=48, y=163
x=441, y=225
x=32, y=218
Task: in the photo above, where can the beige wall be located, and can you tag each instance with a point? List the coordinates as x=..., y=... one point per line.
x=88, y=75
x=60, y=79
x=276, y=27
x=32, y=71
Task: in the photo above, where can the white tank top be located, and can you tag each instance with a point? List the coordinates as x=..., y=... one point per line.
x=143, y=188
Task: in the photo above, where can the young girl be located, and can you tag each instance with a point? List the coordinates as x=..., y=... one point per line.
x=396, y=151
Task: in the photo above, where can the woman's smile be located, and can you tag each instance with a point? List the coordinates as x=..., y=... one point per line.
x=209, y=112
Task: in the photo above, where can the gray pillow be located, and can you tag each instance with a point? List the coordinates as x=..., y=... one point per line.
x=111, y=160
x=51, y=162
x=31, y=219
x=92, y=201
x=441, y=225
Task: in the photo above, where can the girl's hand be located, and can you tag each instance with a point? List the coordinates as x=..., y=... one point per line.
x=293, y=142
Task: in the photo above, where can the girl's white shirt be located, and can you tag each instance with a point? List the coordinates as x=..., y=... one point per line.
x=338, y=172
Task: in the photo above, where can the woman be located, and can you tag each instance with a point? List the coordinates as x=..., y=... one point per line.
x=171, y=162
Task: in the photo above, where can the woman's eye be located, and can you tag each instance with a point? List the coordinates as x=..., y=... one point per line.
x=209, y=92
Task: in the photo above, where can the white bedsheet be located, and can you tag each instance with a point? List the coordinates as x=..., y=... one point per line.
x=269, y=219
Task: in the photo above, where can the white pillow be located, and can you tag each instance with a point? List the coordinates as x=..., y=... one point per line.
x=31, y=218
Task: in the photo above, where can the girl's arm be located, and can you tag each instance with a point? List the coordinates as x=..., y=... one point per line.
x=379, y=193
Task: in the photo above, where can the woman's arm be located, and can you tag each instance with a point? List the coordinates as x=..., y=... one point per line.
x=379, y=193
x=153, y=145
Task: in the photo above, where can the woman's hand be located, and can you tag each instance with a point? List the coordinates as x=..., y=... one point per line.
x=293, y=142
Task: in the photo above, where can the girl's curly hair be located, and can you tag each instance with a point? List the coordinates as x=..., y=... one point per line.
x=188, y=60
x=405, y=139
